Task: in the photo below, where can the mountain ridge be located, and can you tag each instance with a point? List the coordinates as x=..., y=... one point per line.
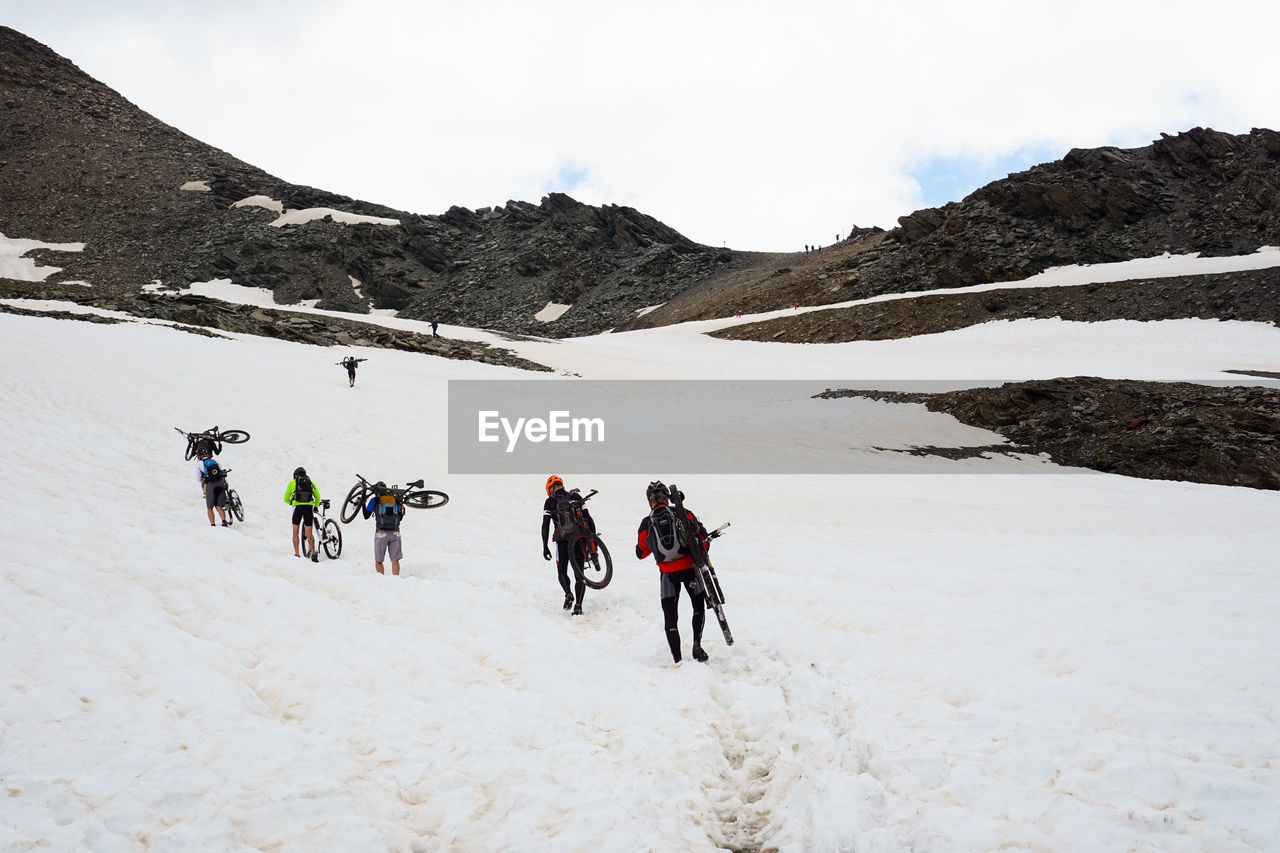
x=80, y=163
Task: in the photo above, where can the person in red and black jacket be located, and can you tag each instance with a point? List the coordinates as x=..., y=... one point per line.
x=658, y=536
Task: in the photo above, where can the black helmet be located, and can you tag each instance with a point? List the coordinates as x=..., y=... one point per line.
x=657, y=491
x=299, y=472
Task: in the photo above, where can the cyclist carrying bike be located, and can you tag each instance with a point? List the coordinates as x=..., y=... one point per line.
x=552, y=517
x=659, y=536
x=213, y=482
x=304, y=496
x=388, y=509
x=350, y=363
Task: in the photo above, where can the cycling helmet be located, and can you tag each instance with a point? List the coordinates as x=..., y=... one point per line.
x=299, y=472
x=554, y=482
x=657, y=491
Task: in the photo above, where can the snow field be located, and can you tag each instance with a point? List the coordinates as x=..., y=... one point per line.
x=953, y=661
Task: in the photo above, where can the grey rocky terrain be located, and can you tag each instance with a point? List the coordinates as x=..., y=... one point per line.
x=81, y=164
x=1252, y=295
x=1200, y=191
x=1155, y=430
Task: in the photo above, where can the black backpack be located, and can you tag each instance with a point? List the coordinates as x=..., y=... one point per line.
x=212, y=471
x=302, y=492
x=665, y=540
x=568, y=516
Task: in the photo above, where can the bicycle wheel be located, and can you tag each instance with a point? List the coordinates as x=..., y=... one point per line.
x=234, y=436
x=234, y=505
x=591, y=560
x=353, y=503
x=425, y=499
x=332, y=539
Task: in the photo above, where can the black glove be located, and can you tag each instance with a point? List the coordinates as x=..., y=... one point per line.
x=546, y=552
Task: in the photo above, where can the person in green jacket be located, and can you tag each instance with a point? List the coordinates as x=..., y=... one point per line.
x=304, y=496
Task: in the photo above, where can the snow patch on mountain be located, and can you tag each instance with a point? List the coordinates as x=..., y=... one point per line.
x=14, y=265
x=310, y=214
x=264, y=201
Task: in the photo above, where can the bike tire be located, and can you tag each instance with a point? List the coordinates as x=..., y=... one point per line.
x=592, y=565
x=234, y=505
x=353, y=503
x=234, y=436
x=425, y=499
x=332, y=539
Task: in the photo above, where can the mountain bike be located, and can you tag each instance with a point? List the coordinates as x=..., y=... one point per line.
x=327, y=532
x=702, y=563
x=211, y=440
x=412, y=495
x=587, y=552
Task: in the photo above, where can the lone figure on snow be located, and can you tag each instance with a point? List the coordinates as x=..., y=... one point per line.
x=350, y=364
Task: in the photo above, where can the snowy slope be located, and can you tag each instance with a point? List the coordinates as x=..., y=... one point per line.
x=955, y=661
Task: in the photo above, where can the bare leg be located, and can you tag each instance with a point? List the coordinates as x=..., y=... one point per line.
x=295, y=541
x=311, y=538
x=395, y=567
x=380, y=569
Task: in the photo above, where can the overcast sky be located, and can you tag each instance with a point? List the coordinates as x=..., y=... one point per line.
x=756, y=125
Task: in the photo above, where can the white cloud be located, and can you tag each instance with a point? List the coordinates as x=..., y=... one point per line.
x=744, y=123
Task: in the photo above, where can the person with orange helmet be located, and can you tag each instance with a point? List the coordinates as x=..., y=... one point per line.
x=551, y=515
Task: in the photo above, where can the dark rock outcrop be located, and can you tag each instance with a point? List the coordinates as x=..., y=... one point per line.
x=1154, y=430
x=1200, y=191
x=1196, y=433
x=200, y=314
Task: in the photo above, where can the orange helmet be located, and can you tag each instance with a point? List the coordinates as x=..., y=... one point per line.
x=554, y=482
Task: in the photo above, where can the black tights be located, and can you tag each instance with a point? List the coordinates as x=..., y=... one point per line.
x=669, y=618
x=562, y=572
